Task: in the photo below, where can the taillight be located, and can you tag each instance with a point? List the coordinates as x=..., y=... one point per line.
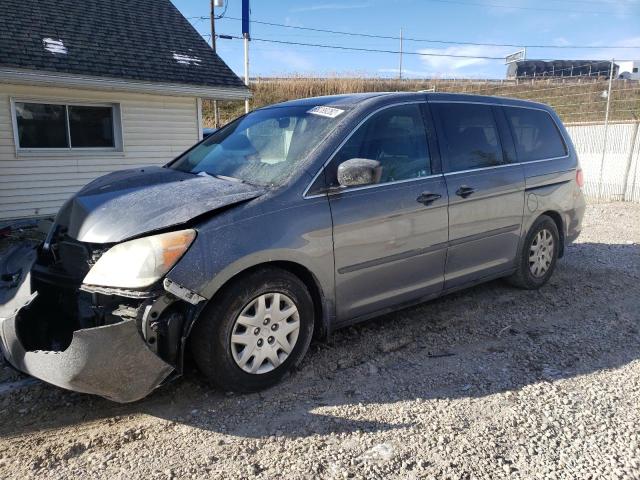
x=579, y=178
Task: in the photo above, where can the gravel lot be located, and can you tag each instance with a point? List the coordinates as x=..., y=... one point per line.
x=487, y=383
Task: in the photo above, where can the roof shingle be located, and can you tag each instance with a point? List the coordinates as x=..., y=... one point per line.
x=131, y=39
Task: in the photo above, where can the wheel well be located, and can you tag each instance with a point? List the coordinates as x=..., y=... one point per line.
x=555, y=216
x=308, y=278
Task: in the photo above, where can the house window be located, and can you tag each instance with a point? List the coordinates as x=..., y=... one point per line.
x=47, y=126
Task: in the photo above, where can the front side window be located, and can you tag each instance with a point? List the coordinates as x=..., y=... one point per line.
x=470, y=135
x=396, y=137
x=264, y=147
x=535, y=134
x=54, y=126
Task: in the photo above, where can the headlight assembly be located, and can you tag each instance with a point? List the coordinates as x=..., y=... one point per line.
x=141, y=262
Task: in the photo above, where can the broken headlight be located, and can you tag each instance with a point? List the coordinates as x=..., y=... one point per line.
x=141, y=262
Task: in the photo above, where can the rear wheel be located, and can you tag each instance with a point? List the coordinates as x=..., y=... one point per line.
x=538, y=256
x=255, y=331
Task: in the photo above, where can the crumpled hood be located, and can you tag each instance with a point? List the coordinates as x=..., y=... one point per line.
x=129, y=203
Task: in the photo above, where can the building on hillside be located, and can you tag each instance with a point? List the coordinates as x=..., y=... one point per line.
x=92, y=86
x=559, y=68
x=629, y=70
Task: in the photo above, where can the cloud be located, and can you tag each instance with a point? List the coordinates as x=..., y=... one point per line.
x=406, y=72
x=452, y=66
x=283, y=60
x=561, y=41
x=291, y=22
x=331, y=6
x=620, y=53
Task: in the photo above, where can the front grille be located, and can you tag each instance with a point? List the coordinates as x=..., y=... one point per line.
x=69, y=259
x=75, y=258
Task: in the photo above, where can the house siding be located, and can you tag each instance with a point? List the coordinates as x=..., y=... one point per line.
x=155, y=130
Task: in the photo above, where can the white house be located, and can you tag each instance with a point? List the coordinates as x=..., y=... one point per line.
x=92, y=86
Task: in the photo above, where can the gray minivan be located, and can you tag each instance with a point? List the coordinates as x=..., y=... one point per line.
x=289, y=222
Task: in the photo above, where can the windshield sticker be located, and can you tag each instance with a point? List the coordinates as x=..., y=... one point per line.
x=326, y=111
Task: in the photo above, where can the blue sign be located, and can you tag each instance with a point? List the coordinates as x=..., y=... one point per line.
x=245, y=18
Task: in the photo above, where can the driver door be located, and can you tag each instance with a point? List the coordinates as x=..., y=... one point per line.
x=390, y=238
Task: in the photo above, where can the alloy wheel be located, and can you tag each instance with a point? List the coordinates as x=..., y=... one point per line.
x=541, y=253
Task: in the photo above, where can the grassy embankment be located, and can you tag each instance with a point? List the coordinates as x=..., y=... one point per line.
x=576, y=100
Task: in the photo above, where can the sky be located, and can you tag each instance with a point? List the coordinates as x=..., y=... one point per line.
x=605, y=25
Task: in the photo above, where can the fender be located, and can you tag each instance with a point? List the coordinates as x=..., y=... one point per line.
x=222, y=250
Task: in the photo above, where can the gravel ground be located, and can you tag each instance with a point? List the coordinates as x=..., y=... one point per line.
x=488, y=383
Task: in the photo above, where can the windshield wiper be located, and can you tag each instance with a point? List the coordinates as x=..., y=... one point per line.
x=202, y=173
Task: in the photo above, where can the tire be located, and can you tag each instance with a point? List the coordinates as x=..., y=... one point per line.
x=230, y=323
x=527, y=276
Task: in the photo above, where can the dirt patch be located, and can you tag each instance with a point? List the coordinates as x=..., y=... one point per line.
x=487, y=383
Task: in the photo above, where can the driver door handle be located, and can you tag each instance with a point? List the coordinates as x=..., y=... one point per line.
x=465, y=191
x=428, y=198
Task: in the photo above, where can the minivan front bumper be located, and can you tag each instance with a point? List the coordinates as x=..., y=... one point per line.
x=112, y=361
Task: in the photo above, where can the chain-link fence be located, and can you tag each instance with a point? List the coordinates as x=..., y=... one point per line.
x=602, y=116
x=600, y=112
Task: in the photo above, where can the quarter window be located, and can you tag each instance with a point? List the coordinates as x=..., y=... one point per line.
x=470, y=135
x=396, y=137
x=535, y=134
x=55, y=126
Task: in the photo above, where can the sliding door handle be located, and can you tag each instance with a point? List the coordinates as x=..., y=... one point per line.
x=428, y=198
x=465, y=191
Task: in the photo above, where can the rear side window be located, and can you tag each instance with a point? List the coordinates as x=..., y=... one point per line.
x=535, y=134
x=470, y=136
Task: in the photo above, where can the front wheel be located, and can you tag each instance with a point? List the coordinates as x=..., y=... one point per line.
x=538, y=256
x=255, y=331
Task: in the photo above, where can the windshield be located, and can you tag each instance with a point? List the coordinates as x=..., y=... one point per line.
x=263, y=147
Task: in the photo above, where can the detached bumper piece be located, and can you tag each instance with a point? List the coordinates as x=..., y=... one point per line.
x=92, y=343
x=112, y=361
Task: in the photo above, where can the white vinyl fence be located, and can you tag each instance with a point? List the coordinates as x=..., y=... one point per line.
x=614, y=175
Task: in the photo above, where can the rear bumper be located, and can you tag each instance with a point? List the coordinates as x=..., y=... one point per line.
x=112, y=361
x=574, y=224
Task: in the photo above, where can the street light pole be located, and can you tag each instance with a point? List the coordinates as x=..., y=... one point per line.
x=246, y=69
x=216, y=112
x=246, y=27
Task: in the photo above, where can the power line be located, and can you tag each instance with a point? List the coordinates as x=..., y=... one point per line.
x=339, y=47
x=455, y=2
x=375, y=50
x=426, y=40
x=596, y=2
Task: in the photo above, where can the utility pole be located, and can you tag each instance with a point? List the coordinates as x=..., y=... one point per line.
x=606, y=129
x=213, y=26
x=216, y=112
x=400, y=70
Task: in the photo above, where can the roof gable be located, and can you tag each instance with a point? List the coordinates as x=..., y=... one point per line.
x=147, y=40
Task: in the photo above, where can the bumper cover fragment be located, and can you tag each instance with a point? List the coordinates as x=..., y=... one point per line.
x=112, y=361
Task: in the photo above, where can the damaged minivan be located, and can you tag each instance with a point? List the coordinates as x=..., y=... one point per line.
x=287, y=223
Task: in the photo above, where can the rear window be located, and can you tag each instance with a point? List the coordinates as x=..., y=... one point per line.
x=471, y=138
x=535, y=134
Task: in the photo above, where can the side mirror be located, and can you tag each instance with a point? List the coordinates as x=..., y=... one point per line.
x=359, y=171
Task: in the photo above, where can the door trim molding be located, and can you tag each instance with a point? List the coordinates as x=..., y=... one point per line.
x=481, y=235
x=392, y=258
x=421, y=251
